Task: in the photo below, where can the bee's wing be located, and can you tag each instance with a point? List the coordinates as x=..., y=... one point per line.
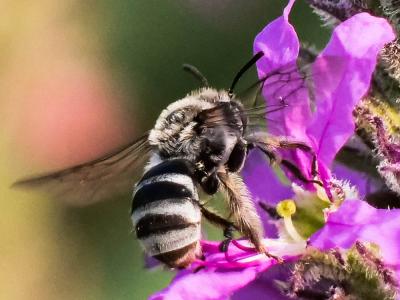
x=255, y=116
x=282, y=83
x=284, y=87
x=94, y=180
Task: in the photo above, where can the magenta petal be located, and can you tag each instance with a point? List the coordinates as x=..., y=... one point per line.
x=208, y=284
x=264, y=186
x=262, y=182
x=264, y=287
x=356, y=220
x=346, y=64
x=280, y=44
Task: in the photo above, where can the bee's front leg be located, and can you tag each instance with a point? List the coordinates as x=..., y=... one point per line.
x=271, y=145
x=237, y=157
x=210, y=183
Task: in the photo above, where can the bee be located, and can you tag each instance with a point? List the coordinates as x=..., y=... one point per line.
x=199, y=142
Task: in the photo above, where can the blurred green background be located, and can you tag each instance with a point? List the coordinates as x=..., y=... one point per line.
x=79, y=78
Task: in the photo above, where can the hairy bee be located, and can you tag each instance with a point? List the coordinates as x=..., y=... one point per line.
x=200, y=141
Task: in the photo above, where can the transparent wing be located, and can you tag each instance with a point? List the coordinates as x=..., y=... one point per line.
x=256, y=115
x=95, y=180
x=284, y=89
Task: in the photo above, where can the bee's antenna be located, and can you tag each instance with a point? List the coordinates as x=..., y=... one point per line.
x=196, y=73
x=252, y=61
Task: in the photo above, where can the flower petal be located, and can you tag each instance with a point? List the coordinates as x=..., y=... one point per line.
x=347, y=64
x=284, y=85
x=264, y=186
x=221, y=277
x=356, y=220
x=264, y=287
x=208, y=284
x=280, y=44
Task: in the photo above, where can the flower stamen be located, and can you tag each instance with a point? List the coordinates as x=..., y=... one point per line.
x=286, y=209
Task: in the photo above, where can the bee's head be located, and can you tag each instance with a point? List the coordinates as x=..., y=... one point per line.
x=212, y=95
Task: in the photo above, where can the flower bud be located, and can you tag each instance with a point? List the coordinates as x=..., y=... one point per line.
x=355, y=274
x=391, y=9
x=332, y=12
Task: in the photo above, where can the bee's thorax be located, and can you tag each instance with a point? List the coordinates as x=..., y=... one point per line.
x=181, y=132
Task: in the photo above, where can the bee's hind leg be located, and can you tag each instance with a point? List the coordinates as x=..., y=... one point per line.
x=242, y=209
x=228, y=226
x=228, y=234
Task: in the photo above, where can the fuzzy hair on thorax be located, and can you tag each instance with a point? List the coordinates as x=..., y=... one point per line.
x=174, y=134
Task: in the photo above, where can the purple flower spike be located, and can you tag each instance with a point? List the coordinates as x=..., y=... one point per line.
x=389, y=151
x=356, y=220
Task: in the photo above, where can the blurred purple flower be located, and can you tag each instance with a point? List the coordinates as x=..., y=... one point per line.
x=346, y=64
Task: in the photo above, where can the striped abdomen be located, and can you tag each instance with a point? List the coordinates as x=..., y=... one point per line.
x=166, y=213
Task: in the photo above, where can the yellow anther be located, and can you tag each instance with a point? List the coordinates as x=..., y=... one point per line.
x=286, y=208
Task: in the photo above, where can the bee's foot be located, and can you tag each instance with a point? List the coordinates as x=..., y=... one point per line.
x=265, y=251
x=223, y=247
x=277, y=258
x=228, y=234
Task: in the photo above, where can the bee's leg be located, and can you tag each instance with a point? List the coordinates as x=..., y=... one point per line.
x=297, y=173
x=215, y=217
x=228, y=234
x=228, y=226
x=237, y=157
x=242, y=209
x=275, y=157
x=270, y=146
x=271, y=152
x=287, y=144
x=210, y=184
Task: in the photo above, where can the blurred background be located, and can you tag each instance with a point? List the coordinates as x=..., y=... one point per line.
x=78, y=79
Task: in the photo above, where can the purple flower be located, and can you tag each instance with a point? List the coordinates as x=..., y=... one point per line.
x=346, y=65
x=222, y=275
x=341, y=75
